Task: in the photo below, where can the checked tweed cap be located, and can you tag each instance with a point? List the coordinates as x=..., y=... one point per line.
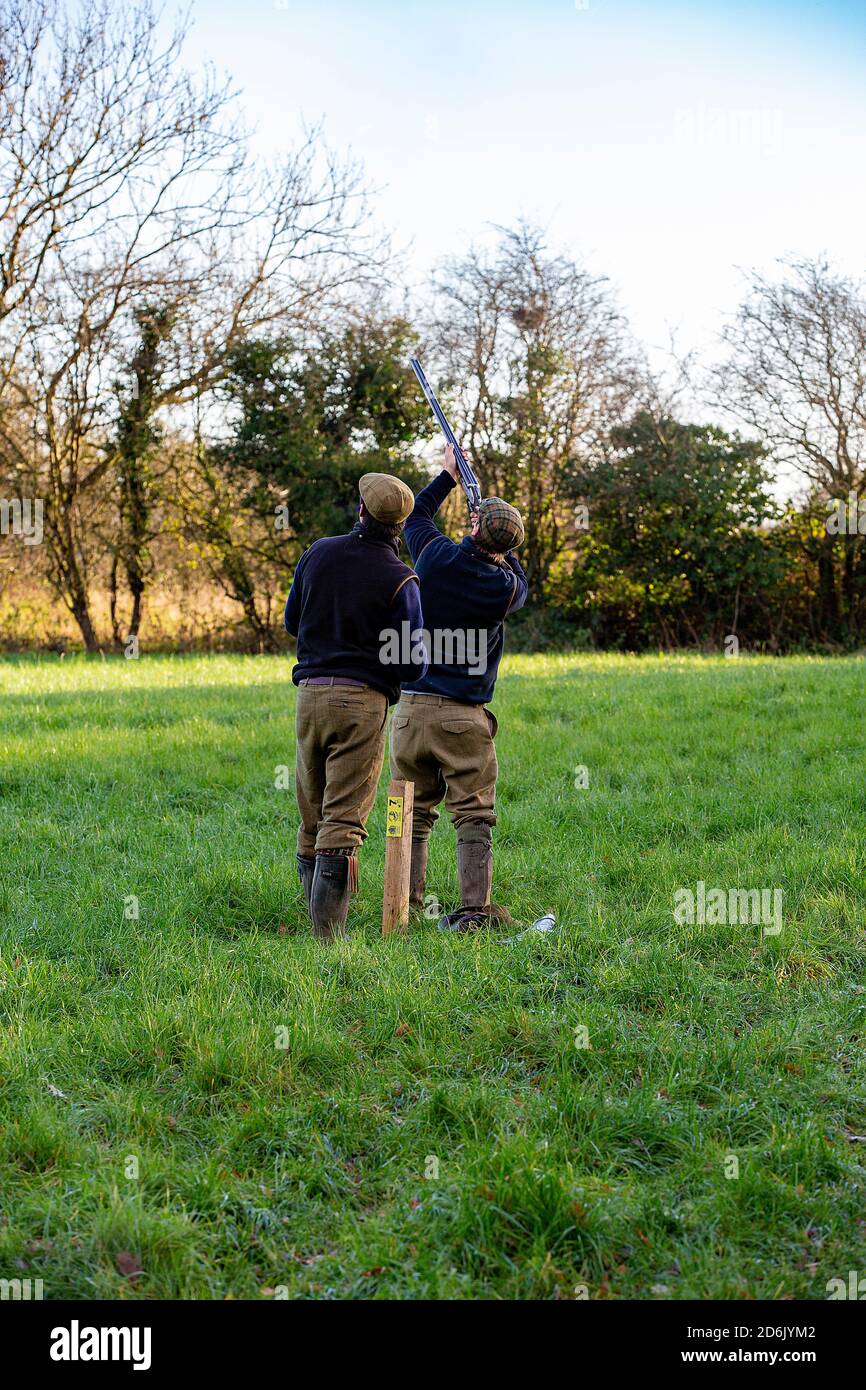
x=500, y=526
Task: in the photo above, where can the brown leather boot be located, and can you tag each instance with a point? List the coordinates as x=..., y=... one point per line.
x=418, y=872
x=475, y=870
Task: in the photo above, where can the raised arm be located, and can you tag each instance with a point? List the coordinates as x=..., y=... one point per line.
x=420, y=527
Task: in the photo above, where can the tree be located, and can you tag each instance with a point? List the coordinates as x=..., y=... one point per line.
x=219, y=532
x=162, y=205
x=135, y=446
x=537, y=366
x=796, y=373
x=675, y=550
x=310, y=419
x=95, y=115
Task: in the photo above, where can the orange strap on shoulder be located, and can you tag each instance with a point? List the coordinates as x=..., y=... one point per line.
x=402, y=584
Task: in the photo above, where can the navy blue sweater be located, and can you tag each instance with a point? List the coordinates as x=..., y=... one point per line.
x=465, y=596
x=356, y=612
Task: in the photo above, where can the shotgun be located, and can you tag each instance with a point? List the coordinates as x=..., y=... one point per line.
x=467, y=477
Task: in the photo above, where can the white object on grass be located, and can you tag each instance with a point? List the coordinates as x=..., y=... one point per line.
x=547, y=923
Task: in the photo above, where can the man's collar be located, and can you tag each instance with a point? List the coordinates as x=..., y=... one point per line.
x=483, y=556
x=360, y=530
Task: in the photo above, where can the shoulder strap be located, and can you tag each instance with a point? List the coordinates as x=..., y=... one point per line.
x=409, y=577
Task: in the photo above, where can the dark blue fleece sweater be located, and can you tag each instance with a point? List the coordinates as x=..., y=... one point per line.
x=355, y=610
x=464, y=596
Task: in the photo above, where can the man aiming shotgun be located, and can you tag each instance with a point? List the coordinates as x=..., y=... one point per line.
x=441, y=733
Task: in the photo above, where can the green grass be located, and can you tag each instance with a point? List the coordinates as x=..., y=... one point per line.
x=302, y=1168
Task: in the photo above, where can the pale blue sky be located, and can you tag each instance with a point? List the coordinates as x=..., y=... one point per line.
x=663, y=143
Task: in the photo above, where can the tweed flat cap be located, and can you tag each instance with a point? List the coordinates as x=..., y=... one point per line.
x=500, y=526
x=386, y=498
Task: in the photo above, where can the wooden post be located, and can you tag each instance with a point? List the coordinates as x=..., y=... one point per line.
x=398, y=856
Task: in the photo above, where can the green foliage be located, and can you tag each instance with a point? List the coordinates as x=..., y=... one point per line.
x=675, y=550
x=309, y=422
x=135, y=444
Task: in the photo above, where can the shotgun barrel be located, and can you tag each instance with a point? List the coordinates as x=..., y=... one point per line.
x=467, y=477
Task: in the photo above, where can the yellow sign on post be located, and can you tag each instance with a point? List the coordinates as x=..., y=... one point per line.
x=398, y=855
x=394, y=823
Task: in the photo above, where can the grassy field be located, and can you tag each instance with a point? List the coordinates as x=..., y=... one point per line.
x=204, y=1103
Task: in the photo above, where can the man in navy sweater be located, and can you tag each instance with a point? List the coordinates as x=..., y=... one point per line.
x=347, y=593
x=441, y=733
